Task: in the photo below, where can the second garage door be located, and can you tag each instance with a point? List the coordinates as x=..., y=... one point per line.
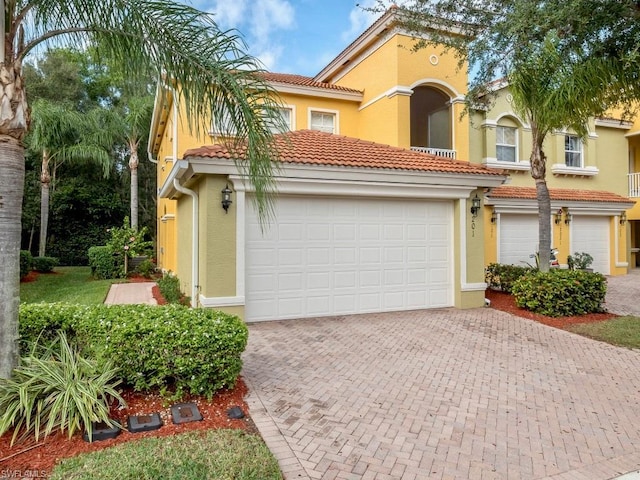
x=518, y=238
x=326, y=256
x=590, y=234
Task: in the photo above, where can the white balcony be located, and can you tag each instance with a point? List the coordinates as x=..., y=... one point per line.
x=438, y=152
x=634, y=185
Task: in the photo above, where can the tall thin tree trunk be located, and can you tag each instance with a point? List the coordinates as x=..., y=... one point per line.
x=45, y=181
x=14, y=121
x=133, y=166
x=11, y=192
x=539, y=173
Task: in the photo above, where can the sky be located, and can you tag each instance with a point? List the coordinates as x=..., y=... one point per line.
x=292, y=36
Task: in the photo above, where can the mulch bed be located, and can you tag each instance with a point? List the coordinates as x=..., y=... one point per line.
x=31, y=456
x=506, y=303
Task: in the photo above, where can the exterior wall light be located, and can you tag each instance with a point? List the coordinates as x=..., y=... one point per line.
x=567, y=216
x=494, y=216
x=226, y=198
x=558, y=217
x=623, y=218
x=475, y=206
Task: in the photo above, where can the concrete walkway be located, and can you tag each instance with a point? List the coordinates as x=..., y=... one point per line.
x=131, y=293
x=445, y=394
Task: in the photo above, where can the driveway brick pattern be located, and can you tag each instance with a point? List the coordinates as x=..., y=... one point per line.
x=442, y=394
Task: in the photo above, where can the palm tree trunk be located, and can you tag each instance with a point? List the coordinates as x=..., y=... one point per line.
x=539, y=172
x=14, y=121
x=45, y=180
x=133, y=166
x=11, y=189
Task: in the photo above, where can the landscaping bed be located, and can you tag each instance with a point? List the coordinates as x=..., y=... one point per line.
x=506, y=303
x=42, y=456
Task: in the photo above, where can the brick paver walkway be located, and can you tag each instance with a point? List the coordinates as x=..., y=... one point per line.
x=623, y=293
x=444, y=394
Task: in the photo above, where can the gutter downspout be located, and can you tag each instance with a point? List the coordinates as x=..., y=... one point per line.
x=195, y=274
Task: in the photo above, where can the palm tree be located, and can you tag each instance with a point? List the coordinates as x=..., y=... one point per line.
x=160, y=38
x=133, y=125
x=64, y=135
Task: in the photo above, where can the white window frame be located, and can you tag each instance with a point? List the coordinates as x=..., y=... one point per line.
x=292, y=118
x=579, y=152
x=514, y=146
x=215, y=127
x=336, y=118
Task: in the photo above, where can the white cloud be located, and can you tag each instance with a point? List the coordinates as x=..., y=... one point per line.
x=360, y=20
x=229, y=14
x=270, y=15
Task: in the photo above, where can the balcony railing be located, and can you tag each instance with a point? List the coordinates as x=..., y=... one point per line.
x=439, y=152
x=634, y=185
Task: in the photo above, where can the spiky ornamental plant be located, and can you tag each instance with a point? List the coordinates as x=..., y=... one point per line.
x=57, y=389
x=162, y=38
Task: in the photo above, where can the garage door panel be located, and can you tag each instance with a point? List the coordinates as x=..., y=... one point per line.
x=590, y=234
x=354, y=255
x=518, y=238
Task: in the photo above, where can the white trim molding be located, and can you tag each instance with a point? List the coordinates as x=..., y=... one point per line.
x=562, y=169
x=520, y=165
x=214, y=302
x=392, y=92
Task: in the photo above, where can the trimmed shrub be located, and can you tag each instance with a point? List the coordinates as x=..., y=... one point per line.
x=169, y=286
x=560, y=293
x=26, y=263
x=501, y=277
x=45, y=264
x=102, y=262
x=172, y=348
x=146, y=268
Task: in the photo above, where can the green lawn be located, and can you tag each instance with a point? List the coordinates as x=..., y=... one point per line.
x=215, y=454
x=622, y=331
x=66, y=284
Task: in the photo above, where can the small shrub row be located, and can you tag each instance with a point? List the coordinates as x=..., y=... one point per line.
x=169, y=286
x=173, y=348
x=44, y=264
x=40, y=264
x=501, y=276
x=559, y=293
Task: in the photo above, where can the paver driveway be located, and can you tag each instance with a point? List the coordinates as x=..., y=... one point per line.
x=468, y=394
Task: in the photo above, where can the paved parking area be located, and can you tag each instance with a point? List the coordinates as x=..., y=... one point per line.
x=442, y=394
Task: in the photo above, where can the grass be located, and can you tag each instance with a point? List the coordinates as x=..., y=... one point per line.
x=66, y=284
x=621, y=331
x=219, y=454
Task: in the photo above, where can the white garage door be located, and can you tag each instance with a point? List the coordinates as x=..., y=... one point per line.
x=334, y=256
x=518, y=238
x=591, y=235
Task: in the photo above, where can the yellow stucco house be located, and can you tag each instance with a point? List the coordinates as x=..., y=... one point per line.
x=388, y=198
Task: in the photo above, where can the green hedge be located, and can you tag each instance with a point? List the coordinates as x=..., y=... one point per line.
x=102, y=262
x=45, y=264
x=172, y=348
x=559, y=293
x=26, y=263
x=501, y=277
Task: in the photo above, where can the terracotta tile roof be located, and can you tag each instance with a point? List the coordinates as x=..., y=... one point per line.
x=567, y=194
x=312, y=147
x=302, y=81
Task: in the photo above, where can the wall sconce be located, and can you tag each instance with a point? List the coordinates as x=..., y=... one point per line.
x=475, y=206
x=558, y=217
x=494, y=216
x=567, y=216
x=226, y=198
x=623, y=218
